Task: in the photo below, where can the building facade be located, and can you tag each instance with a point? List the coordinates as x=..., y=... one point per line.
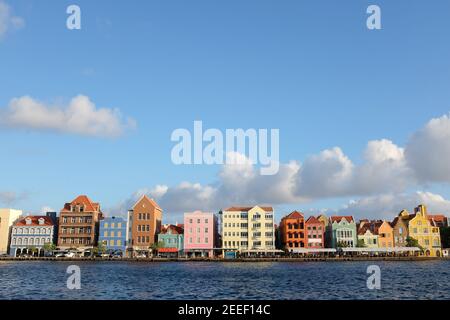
x=367, y=235
x=79, y=224
x=400, y=229
x=314, y=233
x=200, y=234
x=172, y=239
x=113, y=233
x=342, y=230
x=421, y=229
x=385, y=234
x=293, y=233
x=144, y=223
x=7, y=219
x=30, y=234
x=248, y=230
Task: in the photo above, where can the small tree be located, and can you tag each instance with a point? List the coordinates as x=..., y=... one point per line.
x=411, y=243
x=99, y=249
x=360, y=243
x=342, y=244
x=156, y=246
x=33, y=250
x=49, y=247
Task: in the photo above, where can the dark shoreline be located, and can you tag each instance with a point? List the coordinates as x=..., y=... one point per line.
x=150, y=260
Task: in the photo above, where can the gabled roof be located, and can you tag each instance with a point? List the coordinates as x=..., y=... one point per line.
x=153, y=202
x=339, y=218
x=313, y=219
x=294, y=215
x=34, y=221
x=364, y=229
x=437, y=217
x=84, y=200
x=245, y=209
x=174, y=229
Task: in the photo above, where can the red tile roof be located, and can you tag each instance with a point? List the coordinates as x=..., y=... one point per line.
x=313, y=219
x=34, y=221
x=339, y=218
x=268, y=209
x=84, y=200
x=174, y=229
x=295, y=215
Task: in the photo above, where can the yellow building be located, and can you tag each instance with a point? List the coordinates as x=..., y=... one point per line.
x=421, y=229
x=7, y=218
x=248, y=229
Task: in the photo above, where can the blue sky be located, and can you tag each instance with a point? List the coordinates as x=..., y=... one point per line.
x=310, y=68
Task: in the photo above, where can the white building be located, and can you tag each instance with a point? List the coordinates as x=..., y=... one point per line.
x=32, y=232
x=7, y=218
x=248, y=229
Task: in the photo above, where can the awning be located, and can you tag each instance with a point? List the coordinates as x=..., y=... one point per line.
x=318, y=250
x=395, y=249
x=168, y=250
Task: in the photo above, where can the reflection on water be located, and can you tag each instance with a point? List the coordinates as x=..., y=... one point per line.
x=212, y=280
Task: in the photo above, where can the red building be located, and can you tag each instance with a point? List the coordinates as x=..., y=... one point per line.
x=315, y=231
x=292, y=231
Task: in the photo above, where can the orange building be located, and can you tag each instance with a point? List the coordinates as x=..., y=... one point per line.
x=78, y=224
x=144, y=223
x=292, y=231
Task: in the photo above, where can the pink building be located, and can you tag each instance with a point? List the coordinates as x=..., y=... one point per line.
x=200, y=234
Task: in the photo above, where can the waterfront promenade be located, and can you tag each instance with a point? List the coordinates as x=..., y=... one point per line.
x=247, y=259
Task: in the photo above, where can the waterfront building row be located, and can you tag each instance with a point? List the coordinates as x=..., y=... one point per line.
x=243, y=230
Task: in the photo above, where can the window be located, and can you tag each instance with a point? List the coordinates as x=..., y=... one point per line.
x=206, y=220
x=119, y=242
x=206, y=230
x=206, y=240
x=119, y=225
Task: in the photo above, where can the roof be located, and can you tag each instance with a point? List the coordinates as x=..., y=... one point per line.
x=173, y=228
x=84, y=200
x=270, y=209
x=339, y=218
x=294, y=215
x=313, y=219
x=366, y=227
x=437, y=217
x=153, y=202
x=34, y=221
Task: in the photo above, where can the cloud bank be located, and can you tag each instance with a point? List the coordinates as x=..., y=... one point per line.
x=379, y=181
x=80, y=117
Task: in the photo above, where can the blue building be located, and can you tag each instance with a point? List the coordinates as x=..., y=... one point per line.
x=113, y=233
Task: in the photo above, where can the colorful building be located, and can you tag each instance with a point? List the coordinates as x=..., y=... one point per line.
x=172, y=239
x=421, y=229
x=30, y=234
x=385, y=234
x=200, y=234
x=7, y=219
x=144, y=220
x=79, y=224
x=439, y=220
x=293, y=233
x=314, y=233
x=342, y=231
x=367, y=234
x=248, y=230
x=114, y=233
x=400, y=229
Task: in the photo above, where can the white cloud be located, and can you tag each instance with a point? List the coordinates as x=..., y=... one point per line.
x=332, y=174
x=80, y=116
x=46, y=209
x=7, y=20
x=387, y=206
x=10, y=197
x=380, y=180
x=428, y=151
